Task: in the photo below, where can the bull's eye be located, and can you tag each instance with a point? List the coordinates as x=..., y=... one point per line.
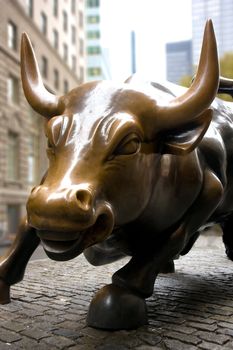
x=49, y=144
x=129, y=145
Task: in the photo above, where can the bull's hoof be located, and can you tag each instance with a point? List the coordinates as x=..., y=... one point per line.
x=4, y=293
x=169, y=267
x=116, y=308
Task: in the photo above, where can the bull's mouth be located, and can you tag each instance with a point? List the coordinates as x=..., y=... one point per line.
x=67, y=245
x=58, y=246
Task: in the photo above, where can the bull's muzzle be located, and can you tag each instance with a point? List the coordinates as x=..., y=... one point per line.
x=69, y=220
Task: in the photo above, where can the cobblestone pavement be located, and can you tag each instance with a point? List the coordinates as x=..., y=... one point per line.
x=191, y=309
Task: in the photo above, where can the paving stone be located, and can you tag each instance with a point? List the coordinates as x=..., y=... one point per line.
x=193, y=318
x=14, y=326
x=212, y=346
x=83, y=347
x=227, y=331
x=128, y=340
x=68, y=333
x=58, y=341
x=213, y=337
x=35, y=333
x=8, y=346
x=147, y=347
x=203, y=326
x=171, y=344
x=30, y=344
x=149, y=338
x=9, y=336
x=180, y=328
x=112, y=347
x=186, y=338
x=226, y=325
x=229, y=346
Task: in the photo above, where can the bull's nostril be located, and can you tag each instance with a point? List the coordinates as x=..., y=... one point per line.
x=84, y=199
x=33, y=189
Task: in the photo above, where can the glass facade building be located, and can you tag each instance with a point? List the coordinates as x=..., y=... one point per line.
x=221, y=12
x=178, y=60
x=97, y=56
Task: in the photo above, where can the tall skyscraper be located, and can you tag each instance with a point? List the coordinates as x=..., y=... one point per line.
x=221, y=12
x=97, y=56
x=133, y=51
x=56, y=30
x=179, y=60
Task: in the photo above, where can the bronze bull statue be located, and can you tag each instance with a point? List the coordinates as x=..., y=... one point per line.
x=136, y=169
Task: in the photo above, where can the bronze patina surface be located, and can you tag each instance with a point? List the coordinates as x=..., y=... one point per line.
x=135, y=169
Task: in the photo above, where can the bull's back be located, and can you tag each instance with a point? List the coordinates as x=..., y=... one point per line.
x=216, y=150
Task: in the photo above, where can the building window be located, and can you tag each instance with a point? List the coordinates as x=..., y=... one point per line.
x=74, y=63
x=55, y=8
x=56, y=79
x=65, y=52
x=13, y=89
x=93, y=50
x=65, y=21
x=81, y=74
x=13, y=156
x=73, y=34
x=32, y=158
x=12, y=35
x=93, y=19
x=93, y=3
x=73, y=6
x=29, y=4
x=55, y=39
x=66, y=87
x=81, y=47
x=43, y=23
x=94, y=71
x=80, y=16
x=13, y=219
x=93, y=34
x=44, y=67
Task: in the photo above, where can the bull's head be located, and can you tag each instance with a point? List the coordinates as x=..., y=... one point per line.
x=103, y=144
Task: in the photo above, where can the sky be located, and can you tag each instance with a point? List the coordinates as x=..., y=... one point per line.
x=155, y=22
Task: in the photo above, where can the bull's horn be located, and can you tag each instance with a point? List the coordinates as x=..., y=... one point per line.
x=40, y=99
x=199, y=96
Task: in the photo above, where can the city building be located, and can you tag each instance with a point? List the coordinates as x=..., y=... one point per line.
x=221, y=12
x=56, y=29
x=178, y=60
x=97, y=56
x=133, y=52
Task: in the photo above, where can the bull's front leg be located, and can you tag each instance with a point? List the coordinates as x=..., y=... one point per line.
x=121, y=305
x=13, y=263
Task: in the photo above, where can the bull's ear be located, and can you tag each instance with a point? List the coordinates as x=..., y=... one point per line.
x=184, y=140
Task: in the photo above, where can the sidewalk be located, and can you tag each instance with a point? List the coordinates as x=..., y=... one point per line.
x=191, y=309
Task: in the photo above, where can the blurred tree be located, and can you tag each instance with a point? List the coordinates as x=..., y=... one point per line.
x=186, y=80
x=226, y=65
x=226, y=70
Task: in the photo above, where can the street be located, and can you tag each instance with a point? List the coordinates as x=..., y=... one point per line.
x=191, y=309
x=38, y=254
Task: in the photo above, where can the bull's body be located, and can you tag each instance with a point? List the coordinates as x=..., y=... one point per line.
x=216, y=149
x=134, y=169
x=214, y=153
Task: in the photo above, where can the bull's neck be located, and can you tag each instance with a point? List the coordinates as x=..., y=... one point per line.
x=173, y=192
